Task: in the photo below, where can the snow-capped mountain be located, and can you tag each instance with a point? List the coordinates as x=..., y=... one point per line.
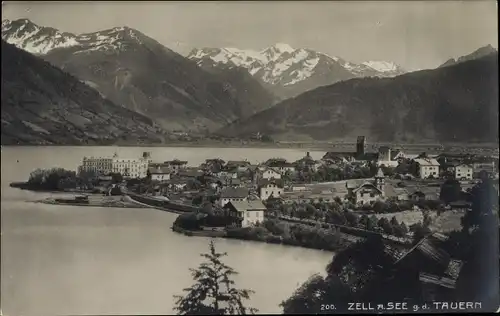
x=289, y=71
x=40, y=40
x=138, y=73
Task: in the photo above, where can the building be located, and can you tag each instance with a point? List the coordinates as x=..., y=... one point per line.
x=360, y=146
x=463, y=172
x=176, y=164
x=427, y=167
x=484, y=164
x=270, y=187
x=369, y=192
x=385, y=158
x=159, y=173
x=361, y=154
x=432, y=266
x=100, y=165
x=250, y=212
x=230, y=194
x=282, y=167
x=269, y=173
x=240, y=166
x=131, y=168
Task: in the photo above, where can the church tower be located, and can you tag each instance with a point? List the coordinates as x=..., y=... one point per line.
x=380, y=180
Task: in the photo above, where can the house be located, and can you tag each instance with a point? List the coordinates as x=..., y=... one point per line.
x=398, y=155
x=385, y=159
x=235, y=183
x=159, y=173
x=282, y=167
x=423, y=193
x=190, y=173
x=270, y=187
x=484, y=163
x=417, y=196
x=231, y=194
x=176, y=185
x=228, y=173
x=269, y=173
x=437, y=270
x=463, y=172
x=176, y=164
x=250, y=212
x=239, y=166
x=369, y=192
x=427, y=167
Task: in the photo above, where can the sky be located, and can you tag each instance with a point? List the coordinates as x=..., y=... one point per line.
x=414, y=34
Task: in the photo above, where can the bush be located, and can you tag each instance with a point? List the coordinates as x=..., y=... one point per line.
x=53, y=179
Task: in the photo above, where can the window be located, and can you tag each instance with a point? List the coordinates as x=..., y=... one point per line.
x=372, y=194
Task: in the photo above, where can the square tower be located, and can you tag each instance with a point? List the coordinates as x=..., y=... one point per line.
x=360, y=147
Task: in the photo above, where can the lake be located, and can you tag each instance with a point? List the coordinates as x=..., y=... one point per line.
x=85, y=260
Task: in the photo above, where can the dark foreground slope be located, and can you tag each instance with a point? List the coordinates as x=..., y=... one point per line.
x=43, y=105
x=458, y=103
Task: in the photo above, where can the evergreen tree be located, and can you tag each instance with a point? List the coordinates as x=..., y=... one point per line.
x=214, y=291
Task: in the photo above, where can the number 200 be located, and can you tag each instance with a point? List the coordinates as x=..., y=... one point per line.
x=327, y=307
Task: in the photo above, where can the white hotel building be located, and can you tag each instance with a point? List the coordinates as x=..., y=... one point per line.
x=127, y=167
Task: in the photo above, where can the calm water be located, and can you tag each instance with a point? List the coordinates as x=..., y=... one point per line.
x=60, y=260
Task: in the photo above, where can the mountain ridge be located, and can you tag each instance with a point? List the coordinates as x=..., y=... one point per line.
x=135, y=71
x=444, y=104
x=43, y=105
x=478, y=53
x=287, y=71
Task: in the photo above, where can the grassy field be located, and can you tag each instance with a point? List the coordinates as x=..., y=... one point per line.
x=446, y=222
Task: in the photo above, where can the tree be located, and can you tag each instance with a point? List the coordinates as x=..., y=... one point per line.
x=308, y=297
x=116, y=177
x=419, y=232
x=379, y=207
x=371, y=225
x=197, y=200
x=214, y=291
x=450, y=191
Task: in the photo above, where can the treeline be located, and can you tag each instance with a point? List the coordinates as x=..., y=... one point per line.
x=338, y=214
x=280, y=232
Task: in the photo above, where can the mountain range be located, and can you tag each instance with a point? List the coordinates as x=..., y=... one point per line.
x=119, y=85
x=138, y=73
x=450, y=104
x=288, y=72
x=43, y=105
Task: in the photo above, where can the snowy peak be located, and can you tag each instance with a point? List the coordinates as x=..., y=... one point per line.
x=283, y=65
x=41, y=40
x=282, y=48
x=33, y=38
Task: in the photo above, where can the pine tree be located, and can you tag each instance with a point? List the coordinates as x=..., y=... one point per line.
x=214, y=292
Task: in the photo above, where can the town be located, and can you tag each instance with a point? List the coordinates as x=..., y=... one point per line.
x=390, y=192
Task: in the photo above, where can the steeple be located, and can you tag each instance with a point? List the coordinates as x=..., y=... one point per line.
x=380, y=180
x=380, y=174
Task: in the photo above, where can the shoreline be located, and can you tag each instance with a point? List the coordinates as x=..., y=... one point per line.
x=223, y=234
x=277, y=145
x=115, y=204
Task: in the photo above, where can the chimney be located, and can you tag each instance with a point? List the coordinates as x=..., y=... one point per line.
x=308, y=154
